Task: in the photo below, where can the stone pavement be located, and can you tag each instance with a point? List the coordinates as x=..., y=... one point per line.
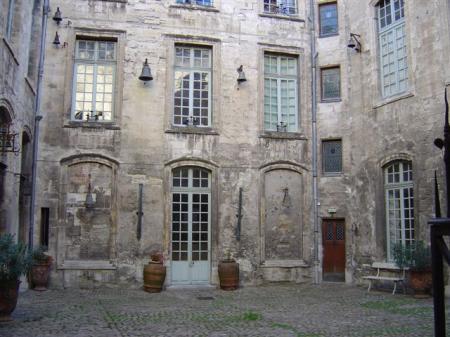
x=285, y=310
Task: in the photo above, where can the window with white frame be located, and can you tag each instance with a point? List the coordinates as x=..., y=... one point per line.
x=399, y=198
x=287, y=7
x=9, y=19
x=94, y=80
x=393, y=54
x=192, y=86
x=196, y=2
x=280, y=93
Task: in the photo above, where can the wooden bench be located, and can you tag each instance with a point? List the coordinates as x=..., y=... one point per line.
x=385, y=270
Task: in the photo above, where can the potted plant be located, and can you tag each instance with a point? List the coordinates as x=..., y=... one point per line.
x=15, y=261
x=154, y=273
x=40, y=269
x=417, y=258
x=228, y=273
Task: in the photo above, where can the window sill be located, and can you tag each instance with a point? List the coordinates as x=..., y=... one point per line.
x=282, y=17
x=332, y=174
x=328, y=35
x=282, y=135
x=195, y=7
x=393, y=99
x=92, y=125
x=11, y=50
x=335, y=100
x=192, y=130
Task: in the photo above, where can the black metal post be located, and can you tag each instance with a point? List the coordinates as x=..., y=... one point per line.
x=437, y=201
x=139, y=214
x=239, y=216
x=438, y=280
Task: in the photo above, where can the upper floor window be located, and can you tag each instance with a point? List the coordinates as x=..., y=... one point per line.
x=280, y=93
x=287, y=7
x=399, y=199
x=332, y=156
x=192, y=86
x=196, y=2
x=392, y=39
x=94, y=80
x=331, y=83
x=328, y=19
x=9, y=19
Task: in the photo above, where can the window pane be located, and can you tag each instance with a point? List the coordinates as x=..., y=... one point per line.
x=192, y=86
x=328, y=19
x=331, y=83
x=332, y=156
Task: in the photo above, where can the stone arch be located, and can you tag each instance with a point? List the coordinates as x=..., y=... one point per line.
x=89, y=207
x=282, y=211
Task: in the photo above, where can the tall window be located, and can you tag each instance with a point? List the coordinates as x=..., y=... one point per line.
x=280, y=93
x=95, y=69
x=398, y=186
x=332, y=156
x=288, y=7
x=393, y=58
x=9, y=19
x=331, y=83
x=192, y=95
x=328, y=19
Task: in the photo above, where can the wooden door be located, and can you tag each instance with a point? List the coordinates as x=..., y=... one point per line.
x=333, y=238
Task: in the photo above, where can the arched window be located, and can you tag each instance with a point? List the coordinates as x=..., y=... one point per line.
x=399, y=198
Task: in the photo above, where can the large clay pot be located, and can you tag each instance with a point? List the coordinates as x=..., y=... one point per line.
x=229, y=275
x=421, y=282
x=154, y=276
x=39, y=275
x=9, y=292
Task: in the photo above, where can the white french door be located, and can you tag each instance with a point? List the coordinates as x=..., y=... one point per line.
x=191, y=222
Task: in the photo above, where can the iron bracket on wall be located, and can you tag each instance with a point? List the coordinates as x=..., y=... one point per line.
x=239, y=216
x=139, y=213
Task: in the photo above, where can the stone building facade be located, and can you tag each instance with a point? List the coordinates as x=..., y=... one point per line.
x=20, y=28
x=195, y=147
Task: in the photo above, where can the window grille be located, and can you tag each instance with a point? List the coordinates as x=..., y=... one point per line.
x=328, y=19
x=197, y=2
x=332, y=156
x=286, y=7
x=331, y=83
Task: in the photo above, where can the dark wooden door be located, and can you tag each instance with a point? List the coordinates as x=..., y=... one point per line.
x=333, y=237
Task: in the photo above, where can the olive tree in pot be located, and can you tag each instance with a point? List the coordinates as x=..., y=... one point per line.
x=417, y=258
x=15, y=261
x=40, y=269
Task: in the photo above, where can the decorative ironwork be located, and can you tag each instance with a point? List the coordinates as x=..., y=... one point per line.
x=8, y=140
x=439, y=228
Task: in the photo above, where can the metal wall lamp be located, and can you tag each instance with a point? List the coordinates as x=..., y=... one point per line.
x=57, y=17
x=241, y=77
x=146, y=73
x=57, y=41
x=354, y=42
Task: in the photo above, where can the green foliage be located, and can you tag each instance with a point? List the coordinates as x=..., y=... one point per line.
x=14, y=259
x=39, y=255
x=251, y=316
x=415, y=256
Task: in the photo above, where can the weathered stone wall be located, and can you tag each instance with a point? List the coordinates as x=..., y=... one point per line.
x=143, y=147
x=274, y=170
x=17, y=95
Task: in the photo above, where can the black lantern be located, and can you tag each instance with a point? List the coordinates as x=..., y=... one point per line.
x=57, y=17
x=146, y=74
x=354, y=42
x=241, y=77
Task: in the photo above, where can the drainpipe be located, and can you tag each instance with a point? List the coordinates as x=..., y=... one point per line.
x=316, y=203
x=37, y=119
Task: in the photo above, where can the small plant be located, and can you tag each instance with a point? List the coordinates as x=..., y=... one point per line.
x=15, y=261
x=39, y=255
x=415, y=256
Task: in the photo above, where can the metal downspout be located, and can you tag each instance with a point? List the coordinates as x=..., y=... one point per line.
x=312, y=22
x=37, y=119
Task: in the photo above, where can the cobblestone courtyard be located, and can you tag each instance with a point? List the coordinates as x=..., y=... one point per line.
x=275, y=310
